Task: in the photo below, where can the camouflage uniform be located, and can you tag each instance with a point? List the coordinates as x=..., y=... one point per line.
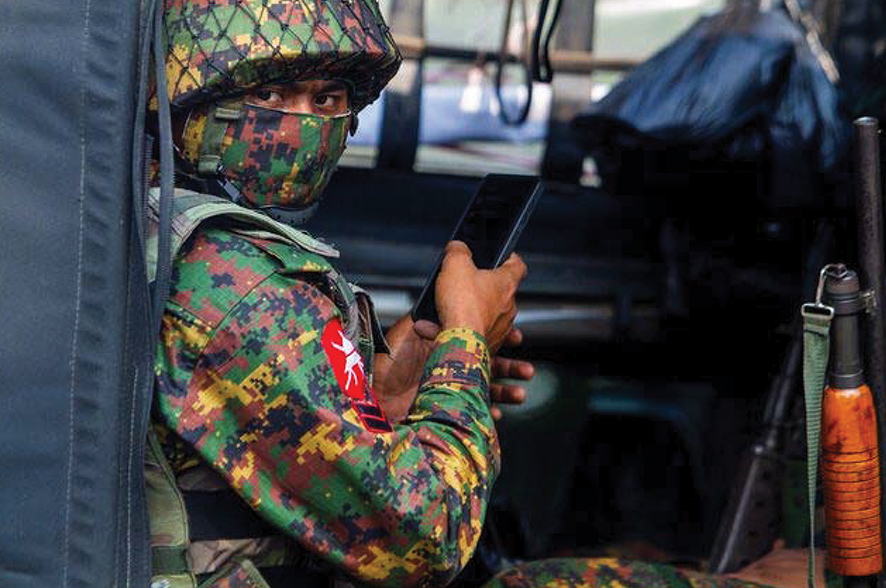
x=607, y=573
x=245, y=377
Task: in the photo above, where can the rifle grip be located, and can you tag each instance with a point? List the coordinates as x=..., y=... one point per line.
x=850, y=469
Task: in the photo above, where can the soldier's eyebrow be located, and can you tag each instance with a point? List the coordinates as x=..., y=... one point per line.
x=333, y=86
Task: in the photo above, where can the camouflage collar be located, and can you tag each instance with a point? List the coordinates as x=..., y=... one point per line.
x=192, y=208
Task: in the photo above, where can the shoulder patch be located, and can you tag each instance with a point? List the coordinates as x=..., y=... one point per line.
x=347, y=365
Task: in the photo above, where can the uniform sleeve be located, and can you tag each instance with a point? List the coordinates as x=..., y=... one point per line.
x=259, y=398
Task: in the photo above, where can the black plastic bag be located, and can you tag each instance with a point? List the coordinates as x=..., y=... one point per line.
x=739, y=92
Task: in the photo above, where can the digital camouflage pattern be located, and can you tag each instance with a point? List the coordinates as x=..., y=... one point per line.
x=219, y=48
x=274, y=158
x=209, y=556
x=607, y=573
x=244, y=379
x=243, y=575
x=190, y=209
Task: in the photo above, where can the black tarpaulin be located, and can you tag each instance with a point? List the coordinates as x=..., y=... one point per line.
x=741, y=86
x=72, y=329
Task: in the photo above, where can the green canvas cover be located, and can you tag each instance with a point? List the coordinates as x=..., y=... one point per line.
x=73, y=325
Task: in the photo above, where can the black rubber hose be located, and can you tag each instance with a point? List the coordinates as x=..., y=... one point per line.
x=167, y=173
x=540, y=55
x=523, y=113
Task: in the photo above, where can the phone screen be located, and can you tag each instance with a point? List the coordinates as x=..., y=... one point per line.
x=490, y=226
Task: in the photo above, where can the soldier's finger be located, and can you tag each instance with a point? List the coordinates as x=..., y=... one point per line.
x=506, y=394
x=510, y=315
x=457, y=258
x=458, y=248
x=515, y=266
x=495, y=412
x=426, y=329
x=514, y=338
x=515, y=369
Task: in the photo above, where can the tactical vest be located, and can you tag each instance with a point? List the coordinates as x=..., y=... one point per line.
x=202, y=534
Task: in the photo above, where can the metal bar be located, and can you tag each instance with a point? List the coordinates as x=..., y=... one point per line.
x=869, y=201
x=562, y=60
x=401, y=117
x=563, y=158
x=870, y=242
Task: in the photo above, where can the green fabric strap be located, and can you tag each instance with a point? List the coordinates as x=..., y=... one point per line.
x=168, y=521
x=816, y=346
x=213, y=135
x=169, y=561
x=189, y=209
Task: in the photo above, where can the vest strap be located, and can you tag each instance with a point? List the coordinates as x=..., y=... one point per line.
x=373, y=326
x=192, y=208
x=168, y=518
x=167, y=561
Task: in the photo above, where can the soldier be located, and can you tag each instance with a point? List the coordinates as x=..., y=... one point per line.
x=265, y=367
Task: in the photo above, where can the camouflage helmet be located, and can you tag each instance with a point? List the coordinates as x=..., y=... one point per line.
x=221, y=48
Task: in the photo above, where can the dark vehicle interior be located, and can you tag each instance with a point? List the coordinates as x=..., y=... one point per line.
x=665, y=275
x=666, y=269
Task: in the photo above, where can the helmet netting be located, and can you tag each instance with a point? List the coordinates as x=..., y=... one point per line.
x=219, y=48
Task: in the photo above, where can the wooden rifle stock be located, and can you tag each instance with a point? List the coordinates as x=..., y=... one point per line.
x=850, y=458
x=851, y=474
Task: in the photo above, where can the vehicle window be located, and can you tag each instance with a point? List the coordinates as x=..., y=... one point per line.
x=460, y=130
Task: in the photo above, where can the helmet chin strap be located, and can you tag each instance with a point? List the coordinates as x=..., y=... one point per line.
x=217, y=185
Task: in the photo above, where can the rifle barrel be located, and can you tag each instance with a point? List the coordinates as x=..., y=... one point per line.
x=869, y=201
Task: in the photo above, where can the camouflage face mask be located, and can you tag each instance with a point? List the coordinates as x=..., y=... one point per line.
x=280, y=161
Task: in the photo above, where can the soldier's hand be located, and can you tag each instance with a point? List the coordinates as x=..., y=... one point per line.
x=783, y=568
x=482, y=300
x=512, y=369
x=396, y=376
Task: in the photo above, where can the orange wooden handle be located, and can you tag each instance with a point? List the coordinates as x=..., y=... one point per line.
x=850, y=468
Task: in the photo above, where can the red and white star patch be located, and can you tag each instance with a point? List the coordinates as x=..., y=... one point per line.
x=347, y=365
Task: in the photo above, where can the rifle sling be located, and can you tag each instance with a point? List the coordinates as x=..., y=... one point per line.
x=816, y=347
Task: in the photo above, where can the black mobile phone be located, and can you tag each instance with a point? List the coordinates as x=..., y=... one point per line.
x=490, y=226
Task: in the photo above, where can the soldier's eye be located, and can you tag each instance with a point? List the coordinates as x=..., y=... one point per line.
x=266, y=95
x=331, y=102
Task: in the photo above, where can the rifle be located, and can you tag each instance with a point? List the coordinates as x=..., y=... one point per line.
x=751, y=523
x=845, y=411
